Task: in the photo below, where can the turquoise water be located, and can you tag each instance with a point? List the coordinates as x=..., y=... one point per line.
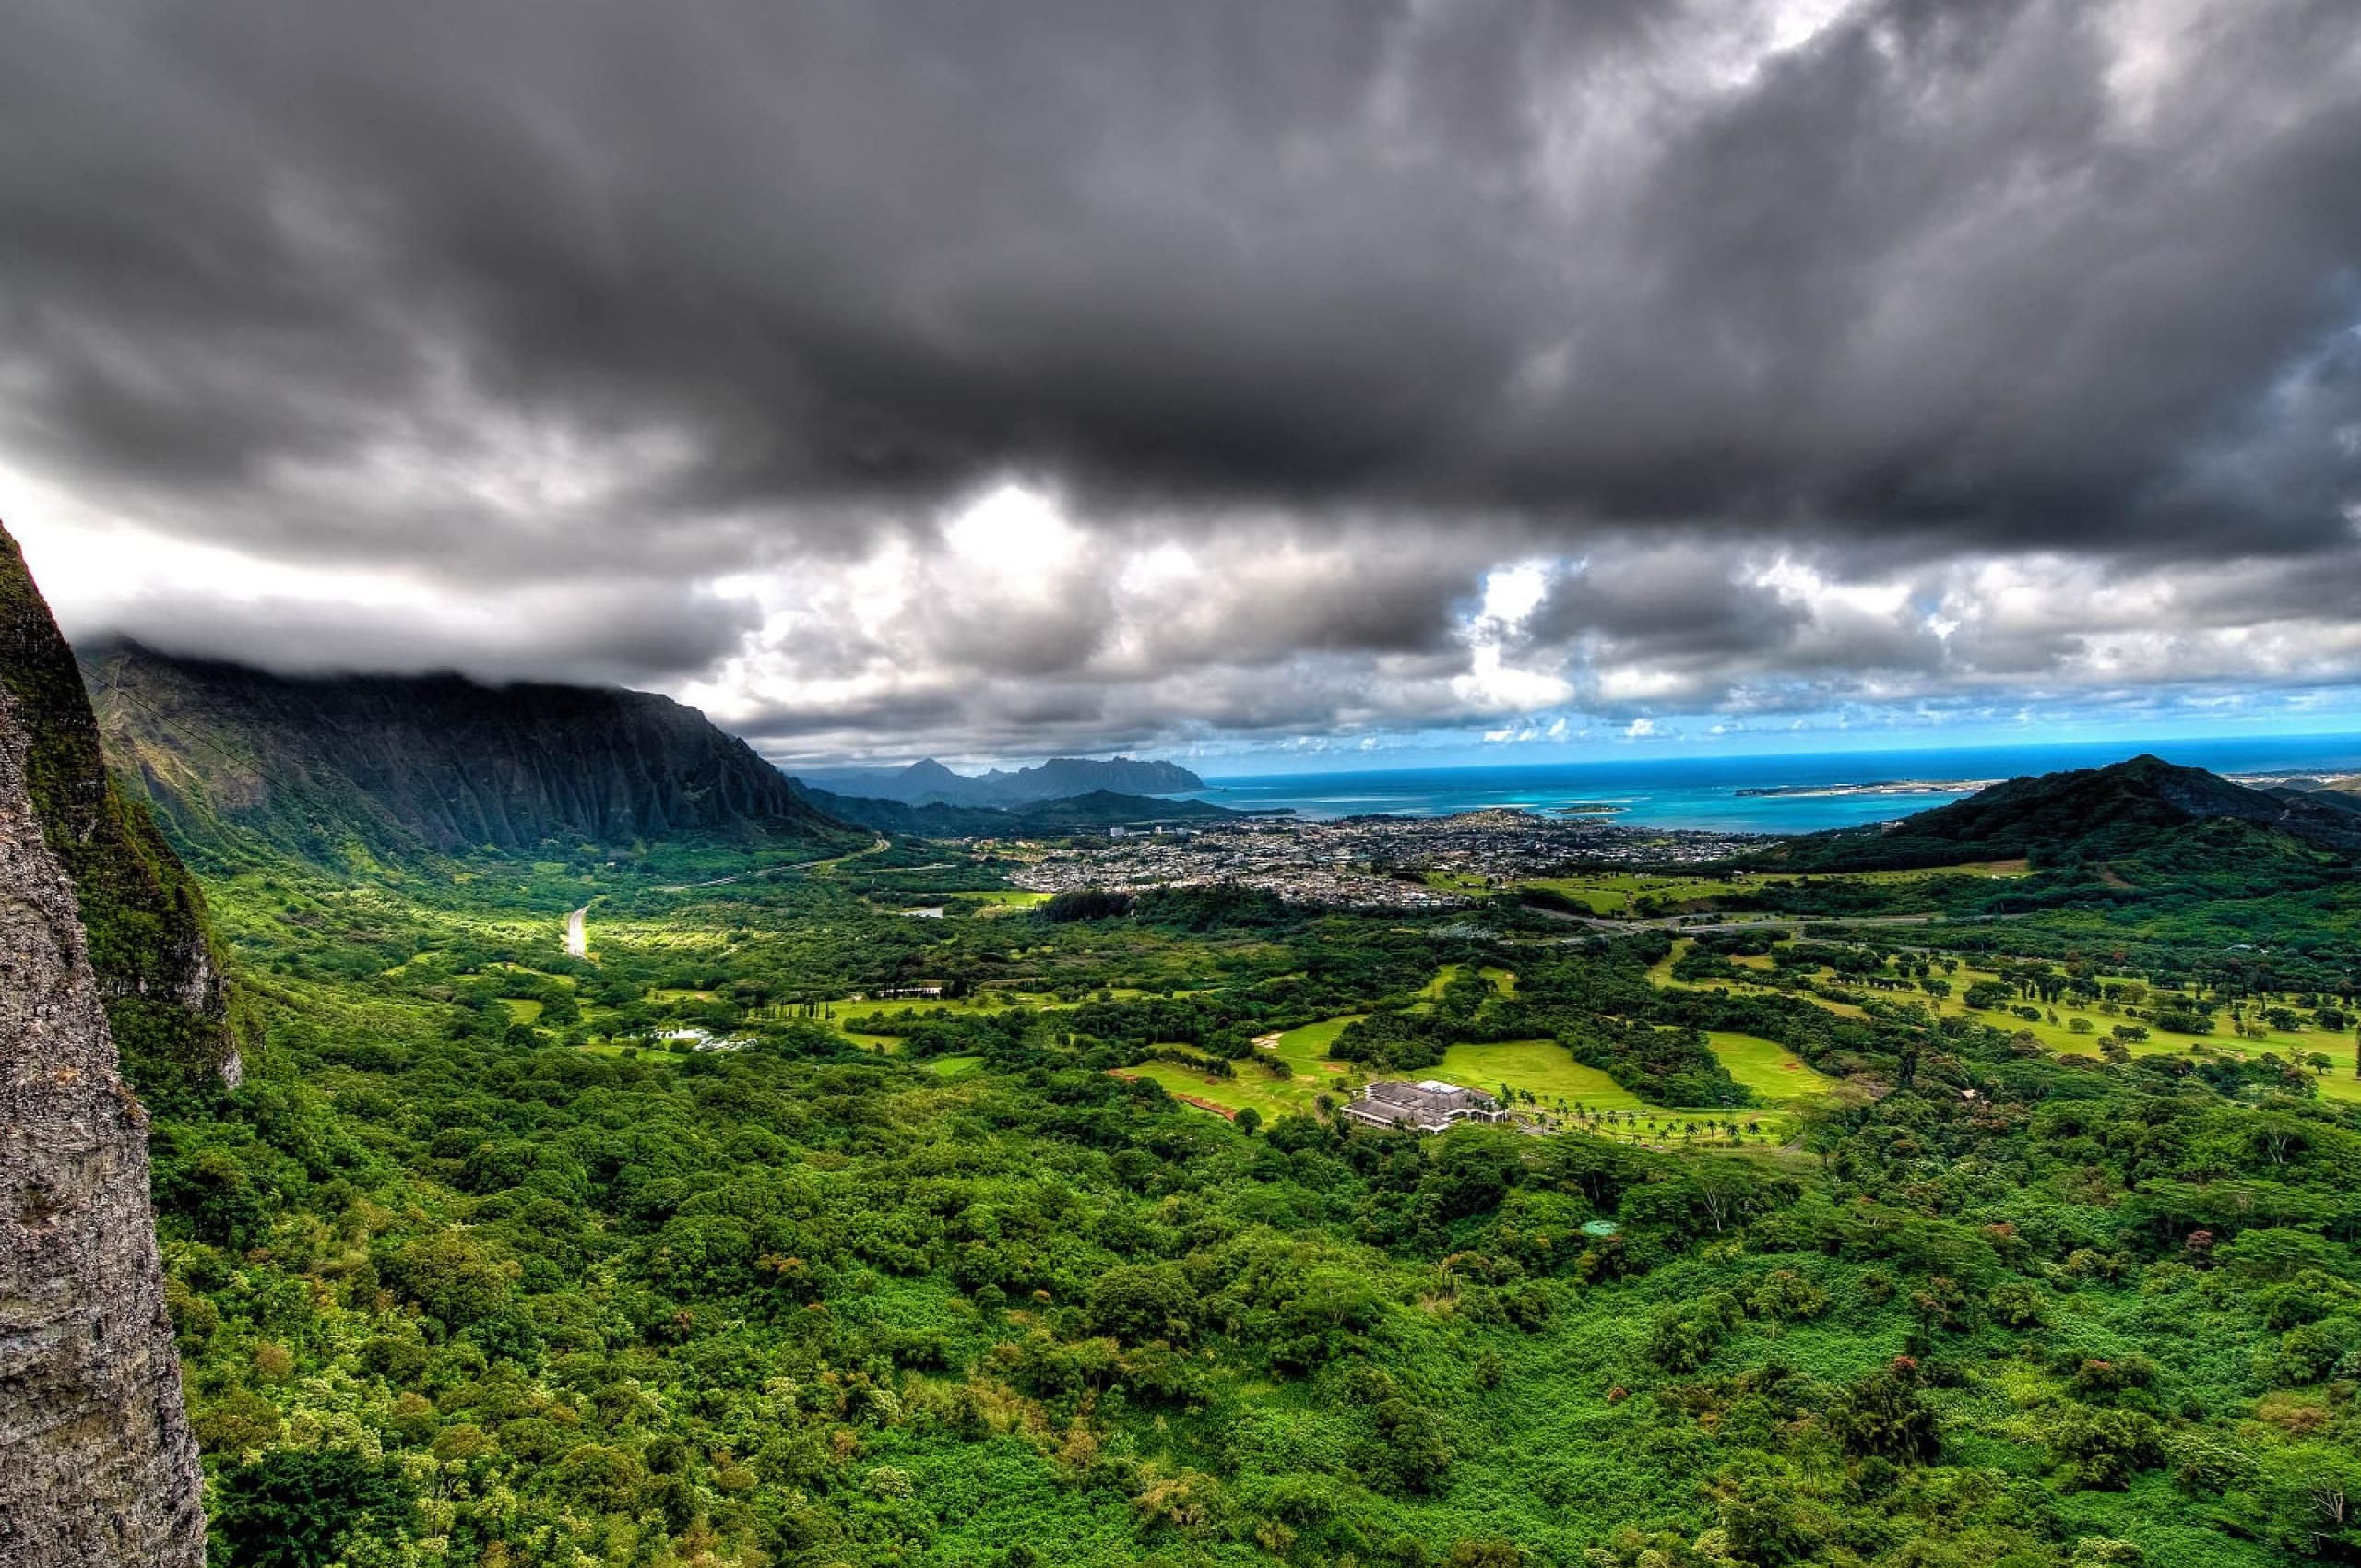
x=1702, y=791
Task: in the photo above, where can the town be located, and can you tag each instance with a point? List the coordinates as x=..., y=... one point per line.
x=1374, y=862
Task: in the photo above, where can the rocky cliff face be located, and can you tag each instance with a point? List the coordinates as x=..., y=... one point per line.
x=97, y=1465
x=347, y=768
x=141, y=911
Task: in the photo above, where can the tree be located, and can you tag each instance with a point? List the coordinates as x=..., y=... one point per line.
x=1884, y=1415
x=295, y=1508
x=1140, y=1302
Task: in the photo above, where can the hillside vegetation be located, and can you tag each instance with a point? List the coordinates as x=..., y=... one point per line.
x=786, y=1229
x=2133, y=809
x=350, y=771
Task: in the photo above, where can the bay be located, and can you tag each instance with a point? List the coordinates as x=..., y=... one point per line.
x=1705, y=791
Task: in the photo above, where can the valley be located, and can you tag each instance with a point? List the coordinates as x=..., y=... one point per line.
x=791, y=1190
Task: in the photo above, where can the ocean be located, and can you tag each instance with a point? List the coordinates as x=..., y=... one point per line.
x=1703, y=792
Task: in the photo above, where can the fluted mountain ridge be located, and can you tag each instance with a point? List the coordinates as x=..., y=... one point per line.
x=348, y=768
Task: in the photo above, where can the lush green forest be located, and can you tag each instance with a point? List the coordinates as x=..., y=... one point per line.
x=480, y=1266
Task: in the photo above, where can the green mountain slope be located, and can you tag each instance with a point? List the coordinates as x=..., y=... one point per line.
x=2145, y=810
x=349, y=769
x=142, y=913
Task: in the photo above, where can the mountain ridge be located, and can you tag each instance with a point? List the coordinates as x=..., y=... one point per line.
x=2083, y=815
x=929, y=782
x=937, y=819
x=345, y=770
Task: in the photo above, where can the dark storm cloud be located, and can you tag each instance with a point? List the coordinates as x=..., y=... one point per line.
x=526, y=293
x=1927, y=270
x=617, y=633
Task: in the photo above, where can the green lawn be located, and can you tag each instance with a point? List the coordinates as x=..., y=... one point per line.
x=1540, y=1067
x=1615, y=892
x=1768, y=1068
x=1002, y=901
x=1273, y=1097
x=1543, y=1068
x=2337, y=1084
x=521, y=1009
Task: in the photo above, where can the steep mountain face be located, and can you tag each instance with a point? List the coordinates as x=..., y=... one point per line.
x=156, y=973
x=97, y=1463
x=1100, y=809
x=2090, y=816
x=931, y=783
x=348, y=768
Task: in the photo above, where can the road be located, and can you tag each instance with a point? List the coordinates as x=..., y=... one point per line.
x=578, y=938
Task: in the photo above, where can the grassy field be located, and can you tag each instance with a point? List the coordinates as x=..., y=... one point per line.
x=1618, y=894
x=1564, y=1087
x=1502, y=981
x=1270, y=1098
x=1543, y=1068
x=2337, y=1084
x=1768, y=1068
x=521, y=1009
x=999, y=902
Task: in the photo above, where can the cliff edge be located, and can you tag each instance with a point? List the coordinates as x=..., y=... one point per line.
x=142, y=915
x=97, y=1463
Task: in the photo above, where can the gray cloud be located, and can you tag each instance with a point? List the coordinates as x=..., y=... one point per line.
x=1347, y=302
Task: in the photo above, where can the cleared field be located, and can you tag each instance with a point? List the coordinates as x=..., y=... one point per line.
x=1566, y=1093
x=1618, y=893
x=1002, y=901
x=2060, y=1036
x=521, y=1010
x=1307, y=1047
x=1270, y=1096
x=1502, y=981
x=921, y=1006
x=949, y=1067
x=1541, y=1067
x=1586, y=1099
x=1768, y=1068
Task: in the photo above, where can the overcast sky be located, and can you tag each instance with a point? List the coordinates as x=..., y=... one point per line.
x=1442, y=377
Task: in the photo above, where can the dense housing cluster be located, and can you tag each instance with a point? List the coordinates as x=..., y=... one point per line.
x=1371, y=863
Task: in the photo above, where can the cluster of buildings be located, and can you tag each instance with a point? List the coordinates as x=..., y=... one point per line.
x=1370, y=862
x=1428, y=1106
x=699, y=1040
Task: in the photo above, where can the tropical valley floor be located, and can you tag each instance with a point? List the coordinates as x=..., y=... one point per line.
x=2021, y=1230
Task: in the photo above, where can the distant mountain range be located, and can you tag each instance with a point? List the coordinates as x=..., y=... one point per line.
x=342, y=770
x=2144, y=807
x=930, y=783
x=349, y=769
x=1098, y=809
